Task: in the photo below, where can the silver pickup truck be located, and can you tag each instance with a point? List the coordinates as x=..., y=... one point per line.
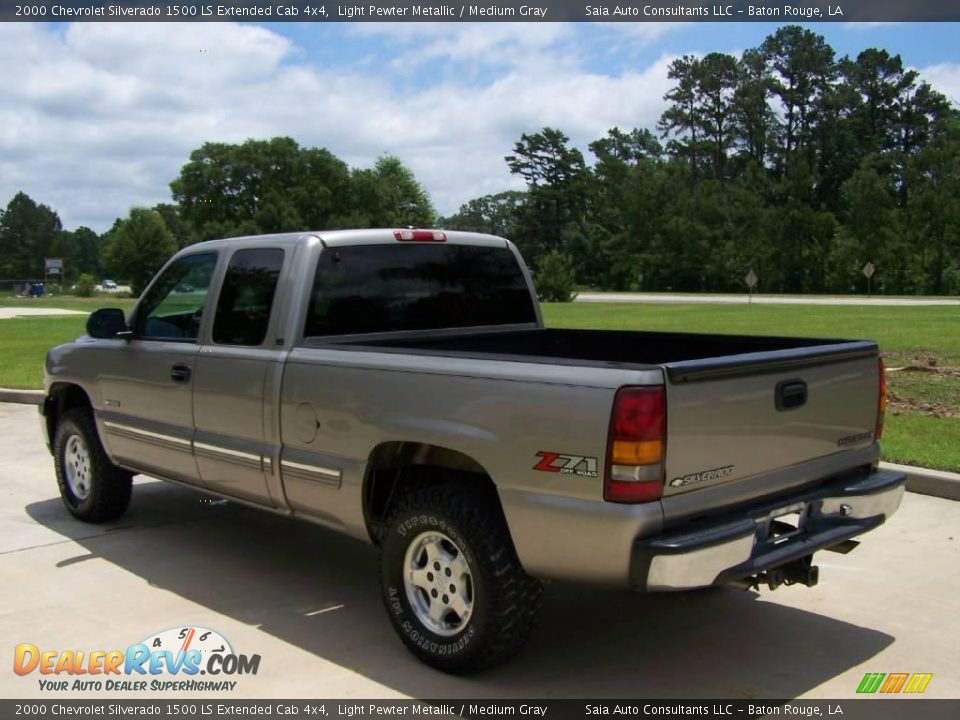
x=399, y=386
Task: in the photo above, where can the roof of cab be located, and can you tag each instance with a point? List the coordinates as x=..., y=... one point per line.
x=341, y=238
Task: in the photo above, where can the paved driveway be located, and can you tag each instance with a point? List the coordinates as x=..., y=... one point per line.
x=682, y=299
x=11, y=312
x=306, y=600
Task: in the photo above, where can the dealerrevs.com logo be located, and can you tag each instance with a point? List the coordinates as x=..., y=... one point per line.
x=170, y=661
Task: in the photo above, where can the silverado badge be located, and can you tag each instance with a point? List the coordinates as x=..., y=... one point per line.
x=701, y=476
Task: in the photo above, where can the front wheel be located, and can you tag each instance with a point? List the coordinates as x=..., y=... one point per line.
x=93, y=489
x=451, y=580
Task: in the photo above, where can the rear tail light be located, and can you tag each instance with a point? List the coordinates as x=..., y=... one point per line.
x=420, y=235
x=637, y=446
x=882, y=401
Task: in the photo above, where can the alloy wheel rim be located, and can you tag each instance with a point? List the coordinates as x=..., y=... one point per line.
x=438, y=583
x=76, y=465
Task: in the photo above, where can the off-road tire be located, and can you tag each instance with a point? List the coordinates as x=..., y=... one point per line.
x=505, y=599
x=107, y=487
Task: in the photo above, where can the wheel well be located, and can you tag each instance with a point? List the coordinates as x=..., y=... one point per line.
x=395, y=467
x=62, y=398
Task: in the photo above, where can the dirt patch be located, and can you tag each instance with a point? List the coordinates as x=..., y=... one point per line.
x=917, y=359
x=943, y=372
x=897, y=405
x=899, y=399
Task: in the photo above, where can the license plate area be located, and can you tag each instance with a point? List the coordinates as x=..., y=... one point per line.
x=782, y=524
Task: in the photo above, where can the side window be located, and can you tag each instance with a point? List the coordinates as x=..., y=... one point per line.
x=246, y=298
x=172, y=307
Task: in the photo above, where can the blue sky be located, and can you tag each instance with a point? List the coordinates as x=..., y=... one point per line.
x=96, y=118
x=919, y=44
x=606, y=49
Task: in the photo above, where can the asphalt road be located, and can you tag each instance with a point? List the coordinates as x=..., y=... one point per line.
x=681, y=299
x=306, y=600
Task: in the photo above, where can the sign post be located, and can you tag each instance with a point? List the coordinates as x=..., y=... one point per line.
x=751, y=281
x=53, y=266
x=869, y=269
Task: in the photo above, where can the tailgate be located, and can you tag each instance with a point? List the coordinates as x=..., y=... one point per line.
x=739, y=417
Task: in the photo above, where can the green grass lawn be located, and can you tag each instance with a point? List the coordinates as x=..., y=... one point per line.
x=24, y=343
x=906, y=331
x=25, y=340
x=923, y=419
x=912, y=438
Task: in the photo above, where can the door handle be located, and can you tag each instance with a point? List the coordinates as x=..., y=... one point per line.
x=791, y=394
x=180, y=373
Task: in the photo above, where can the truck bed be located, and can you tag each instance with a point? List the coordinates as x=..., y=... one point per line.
x=686, y=356
x=730, y=418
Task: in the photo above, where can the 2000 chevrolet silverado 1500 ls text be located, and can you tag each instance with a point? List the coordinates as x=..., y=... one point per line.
x=399, y=386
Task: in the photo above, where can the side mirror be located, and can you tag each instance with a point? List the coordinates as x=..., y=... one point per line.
x=106, y=323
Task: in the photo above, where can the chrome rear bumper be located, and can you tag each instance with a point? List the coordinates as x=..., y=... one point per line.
x=724, y=549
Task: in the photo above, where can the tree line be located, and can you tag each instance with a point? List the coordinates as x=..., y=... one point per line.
x=224, y=190
x=787, y=161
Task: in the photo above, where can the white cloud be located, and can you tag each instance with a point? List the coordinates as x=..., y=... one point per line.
x=944, y=77
x=98, y=117
x=495, y=44
x=643, y=33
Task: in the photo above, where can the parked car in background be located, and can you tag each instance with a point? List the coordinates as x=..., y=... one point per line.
x=108, y=285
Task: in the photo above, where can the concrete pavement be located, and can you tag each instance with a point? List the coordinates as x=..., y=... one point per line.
x=681, y=298
x=6, y=313
x=22, y=397
x=925, y=481
x=306, y=600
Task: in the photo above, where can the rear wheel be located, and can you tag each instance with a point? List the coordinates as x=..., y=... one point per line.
x=452, y=583
x=93, y=489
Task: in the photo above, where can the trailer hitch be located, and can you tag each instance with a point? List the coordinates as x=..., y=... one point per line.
x=798, y=572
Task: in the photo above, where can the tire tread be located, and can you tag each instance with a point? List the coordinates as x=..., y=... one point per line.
x=110, y=495
x=513, y=596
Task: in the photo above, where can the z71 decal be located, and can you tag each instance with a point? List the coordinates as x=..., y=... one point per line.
x=568, y=464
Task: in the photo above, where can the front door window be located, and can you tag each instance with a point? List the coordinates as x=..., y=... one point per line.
x=172, y=307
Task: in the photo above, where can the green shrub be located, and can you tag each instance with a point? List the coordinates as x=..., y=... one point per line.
x=555, y=281
x=85, y=286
